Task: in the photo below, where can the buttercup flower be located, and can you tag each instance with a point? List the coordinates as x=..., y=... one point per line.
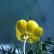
x=29, y=29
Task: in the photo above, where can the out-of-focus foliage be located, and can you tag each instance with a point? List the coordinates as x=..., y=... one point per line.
x=44, y=47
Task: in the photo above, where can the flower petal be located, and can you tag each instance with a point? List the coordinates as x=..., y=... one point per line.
x=38, y=31
x=33, y=39
x=21, y=25
x=32, y=25
x=19, y=36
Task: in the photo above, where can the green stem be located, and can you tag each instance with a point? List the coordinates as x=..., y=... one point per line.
x=25, y=39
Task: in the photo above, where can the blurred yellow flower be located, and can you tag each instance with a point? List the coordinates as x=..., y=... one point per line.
x=28, y=28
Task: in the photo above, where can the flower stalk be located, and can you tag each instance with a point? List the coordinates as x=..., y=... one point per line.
x=25, y=40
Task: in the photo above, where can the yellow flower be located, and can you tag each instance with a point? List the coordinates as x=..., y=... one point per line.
x=28, y=28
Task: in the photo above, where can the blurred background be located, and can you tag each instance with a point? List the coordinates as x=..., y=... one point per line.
x=12, y=10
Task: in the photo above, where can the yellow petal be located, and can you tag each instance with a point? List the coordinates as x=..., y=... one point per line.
x=32, y=25
x=33, y=39
x=19, y=36
x=38, y=31
x=21, y=25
